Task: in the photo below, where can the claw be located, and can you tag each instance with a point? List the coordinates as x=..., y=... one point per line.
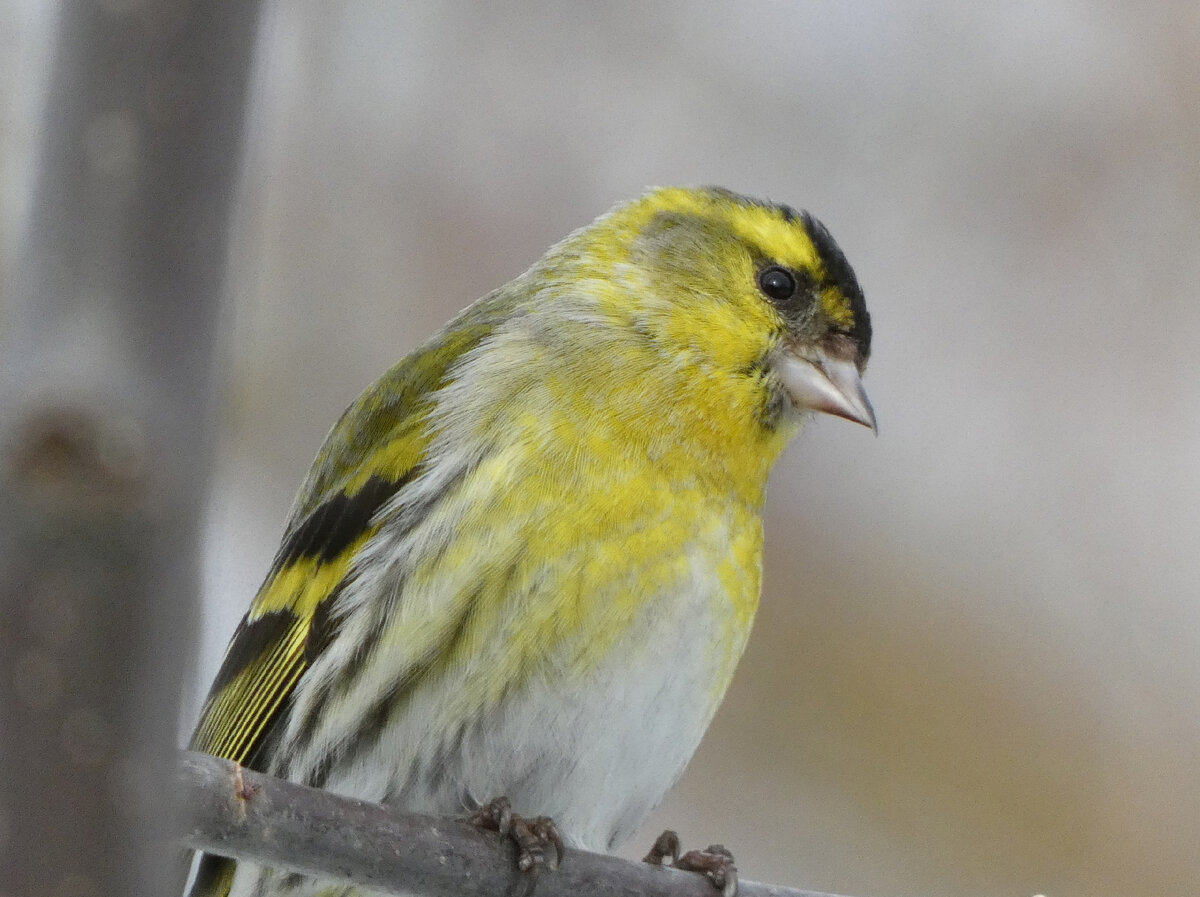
x=532, y=835
x=665, y=845
x=495, y=816
x=715, y=862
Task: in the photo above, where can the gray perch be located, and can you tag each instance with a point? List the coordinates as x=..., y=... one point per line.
x=238, y=813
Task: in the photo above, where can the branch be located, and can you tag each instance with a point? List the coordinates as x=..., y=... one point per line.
x=235, y=812
x=107, y=365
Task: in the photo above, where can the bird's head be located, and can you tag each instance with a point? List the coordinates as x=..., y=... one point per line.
x=752, y=292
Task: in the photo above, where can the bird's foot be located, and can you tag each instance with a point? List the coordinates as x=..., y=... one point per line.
x=533, y=835
x=714, y=862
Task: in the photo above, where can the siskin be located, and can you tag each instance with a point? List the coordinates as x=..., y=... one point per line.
x=526, y=560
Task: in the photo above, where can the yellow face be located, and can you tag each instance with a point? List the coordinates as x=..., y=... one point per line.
x=734, y=285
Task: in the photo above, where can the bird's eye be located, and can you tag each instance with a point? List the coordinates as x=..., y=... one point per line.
x=777, y=283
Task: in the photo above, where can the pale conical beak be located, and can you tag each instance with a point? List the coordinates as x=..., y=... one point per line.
x=827, y=381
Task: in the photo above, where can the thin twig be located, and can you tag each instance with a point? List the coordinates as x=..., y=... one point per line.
x=236, y=812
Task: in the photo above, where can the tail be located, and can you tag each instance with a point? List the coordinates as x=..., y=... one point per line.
x=214, y=877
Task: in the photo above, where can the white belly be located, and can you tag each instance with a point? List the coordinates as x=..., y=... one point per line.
x=596, y=754
x=593, y=746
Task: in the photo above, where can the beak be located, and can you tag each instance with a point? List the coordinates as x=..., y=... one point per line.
x=826, y=380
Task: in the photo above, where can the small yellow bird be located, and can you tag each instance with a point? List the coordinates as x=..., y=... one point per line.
x=526, y=560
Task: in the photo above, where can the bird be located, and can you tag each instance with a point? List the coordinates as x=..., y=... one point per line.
x=526, y=560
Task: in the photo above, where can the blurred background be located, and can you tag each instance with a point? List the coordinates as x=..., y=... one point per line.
x=976, y=664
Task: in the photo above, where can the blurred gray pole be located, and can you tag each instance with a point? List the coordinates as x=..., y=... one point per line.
x=105, y=425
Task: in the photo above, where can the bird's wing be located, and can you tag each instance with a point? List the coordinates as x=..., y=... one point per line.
x=283, y=630
x=373, y=450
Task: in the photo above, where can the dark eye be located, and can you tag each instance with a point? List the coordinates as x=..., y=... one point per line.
x=777, y=283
